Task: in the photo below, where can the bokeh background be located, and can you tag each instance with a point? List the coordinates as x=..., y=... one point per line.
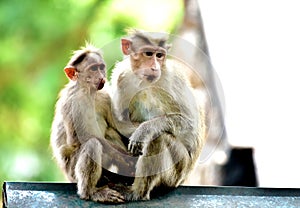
x=36, y=40
x=254, y=47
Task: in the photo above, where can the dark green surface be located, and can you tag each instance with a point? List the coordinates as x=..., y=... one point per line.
x=19, y=194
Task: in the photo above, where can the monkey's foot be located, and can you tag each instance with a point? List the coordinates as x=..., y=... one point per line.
x=128, y=193
x=106, y=195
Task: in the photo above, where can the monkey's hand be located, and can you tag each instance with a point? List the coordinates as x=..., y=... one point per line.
x=143, y=134
x=152, y=129
x=135, y=147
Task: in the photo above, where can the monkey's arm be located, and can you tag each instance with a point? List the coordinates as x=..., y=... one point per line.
x=126, y=128
x=174, y=124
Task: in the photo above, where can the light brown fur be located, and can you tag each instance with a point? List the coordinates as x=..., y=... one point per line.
x=80, y=127
x=154, y=97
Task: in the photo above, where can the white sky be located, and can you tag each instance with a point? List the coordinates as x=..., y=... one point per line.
x=255, y=50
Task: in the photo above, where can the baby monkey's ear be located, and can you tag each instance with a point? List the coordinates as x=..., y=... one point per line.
x=71, y=72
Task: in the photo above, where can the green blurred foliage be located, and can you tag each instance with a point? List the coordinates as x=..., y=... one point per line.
x=36, y=40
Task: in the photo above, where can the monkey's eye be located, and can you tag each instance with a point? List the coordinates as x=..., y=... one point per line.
x=102, y=66
x=160, y=55
x=148, y=53
x=97, y=67
x=94, y=68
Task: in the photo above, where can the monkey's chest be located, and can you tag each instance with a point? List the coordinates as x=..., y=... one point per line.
x=150, y=103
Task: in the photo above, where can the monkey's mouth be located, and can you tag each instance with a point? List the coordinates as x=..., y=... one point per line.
x=148, y=75
x=101, y=84
x=151, y=78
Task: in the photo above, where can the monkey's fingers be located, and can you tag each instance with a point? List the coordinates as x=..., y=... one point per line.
x=107, y=195
x=126, y=191
x=135, y=148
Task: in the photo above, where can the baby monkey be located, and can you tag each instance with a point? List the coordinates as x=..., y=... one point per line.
x=80, y=127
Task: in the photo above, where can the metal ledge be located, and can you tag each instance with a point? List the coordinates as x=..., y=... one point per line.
x=22, y=194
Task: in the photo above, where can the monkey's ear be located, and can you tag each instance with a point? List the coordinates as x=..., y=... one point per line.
x=71, y=72
x=126, y=43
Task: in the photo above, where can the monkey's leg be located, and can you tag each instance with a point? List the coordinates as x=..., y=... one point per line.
x=164, y=163
x=88, y=171
x=67, y=159
x=149, y=169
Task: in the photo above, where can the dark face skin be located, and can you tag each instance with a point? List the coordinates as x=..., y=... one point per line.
x=146, y=61
x=90, y=73
x=94, y=75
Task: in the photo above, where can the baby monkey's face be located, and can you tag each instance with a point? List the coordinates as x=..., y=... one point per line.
x=92, y=73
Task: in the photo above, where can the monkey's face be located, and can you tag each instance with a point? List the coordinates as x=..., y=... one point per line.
x=148, y=62
x=93, y=72
x=96, y=75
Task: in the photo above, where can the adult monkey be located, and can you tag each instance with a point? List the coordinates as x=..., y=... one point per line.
x=165, y=124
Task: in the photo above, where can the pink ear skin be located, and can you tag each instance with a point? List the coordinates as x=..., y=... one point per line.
x=71, y=72
x=125, y=46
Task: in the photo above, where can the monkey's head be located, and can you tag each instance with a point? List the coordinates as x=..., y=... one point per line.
x=87, y=68
x=147, y=53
